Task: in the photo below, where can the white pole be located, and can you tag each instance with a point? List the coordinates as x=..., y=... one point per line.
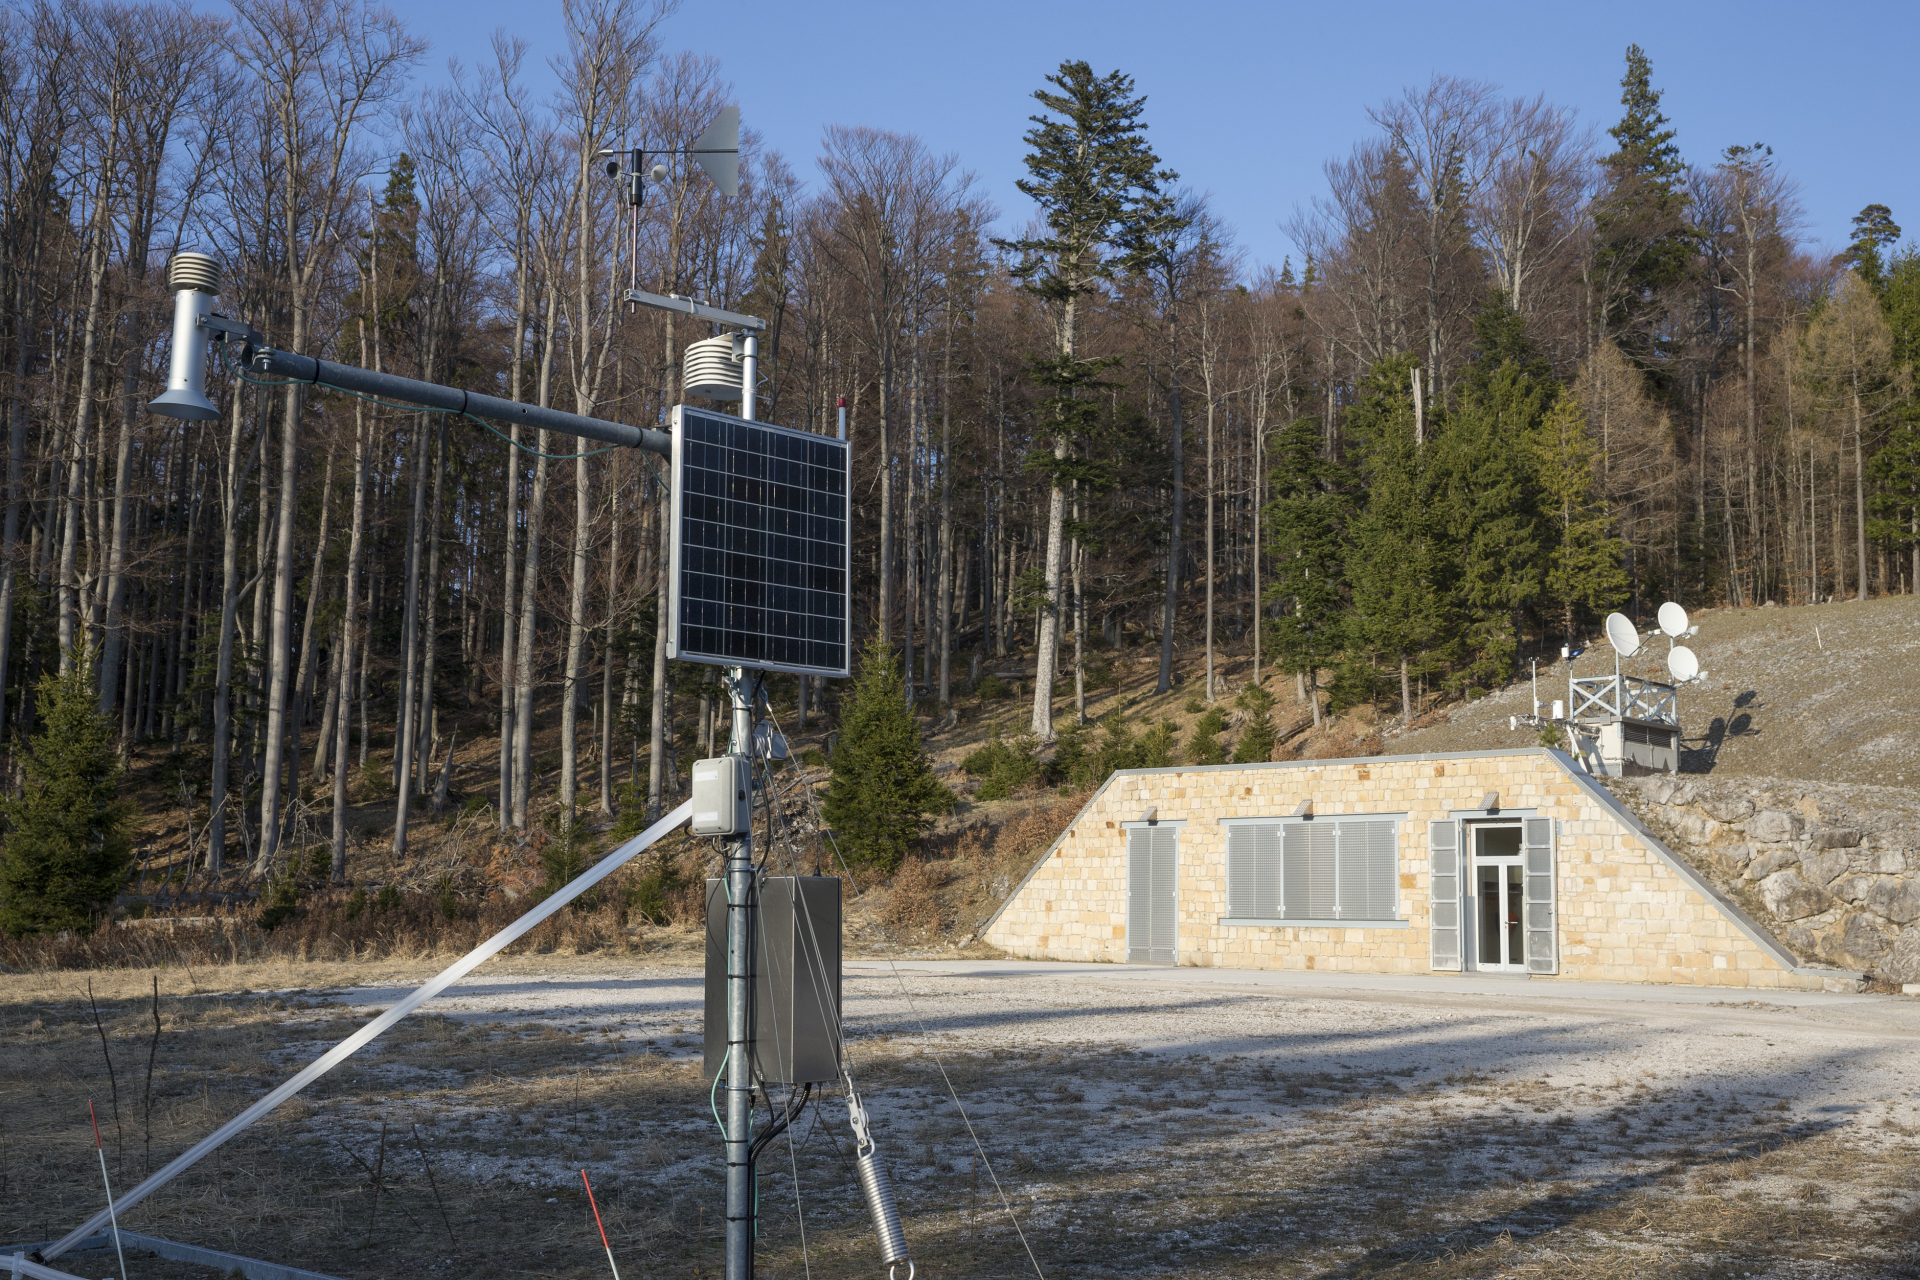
x=406, y=1005
x=106, y=1182
x=749, y=376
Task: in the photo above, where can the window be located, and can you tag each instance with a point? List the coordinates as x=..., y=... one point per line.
x=1319, y=869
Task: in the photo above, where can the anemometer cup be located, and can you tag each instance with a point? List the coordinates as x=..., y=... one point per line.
x=196, y=280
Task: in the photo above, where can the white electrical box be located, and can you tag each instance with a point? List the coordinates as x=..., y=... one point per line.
x=722, y=796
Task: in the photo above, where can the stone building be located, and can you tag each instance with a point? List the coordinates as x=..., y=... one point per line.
x=1505, y=862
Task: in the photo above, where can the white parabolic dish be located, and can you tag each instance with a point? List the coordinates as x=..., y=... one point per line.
x=1683, y=664
x=1673, y=619
x=1621, y=635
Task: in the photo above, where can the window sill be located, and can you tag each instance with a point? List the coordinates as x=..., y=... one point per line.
x=1317, y=924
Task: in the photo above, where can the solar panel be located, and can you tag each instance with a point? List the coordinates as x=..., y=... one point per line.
x=758, y=563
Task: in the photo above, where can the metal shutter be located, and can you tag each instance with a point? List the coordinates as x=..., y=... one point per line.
x=1162, y=942
x=1369, y=871
x=1152, y=934
x=1443, y=894
x=1543, y=951
x=1139, y=892
x=1253, y=871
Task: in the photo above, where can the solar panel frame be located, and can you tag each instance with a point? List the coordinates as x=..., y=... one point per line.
x=739, y=490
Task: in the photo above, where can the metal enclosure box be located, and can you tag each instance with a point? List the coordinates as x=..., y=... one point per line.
x=795, y=1011
x=722, y=796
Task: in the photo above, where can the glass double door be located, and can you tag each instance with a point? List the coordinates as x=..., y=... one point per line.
x=1499, y=942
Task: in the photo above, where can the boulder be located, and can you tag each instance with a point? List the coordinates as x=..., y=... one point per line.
x=1791, y=898
x=1903, y=958
x=1890, y=862
x=1775, y=826
x=1769, y=862
x=1866, y=941
x=1657, y=788
x=1803, y=942
x=1898, y=899
x=1850, y=888
x=1835, y=838
x=1694, y=829
x=1822, y=868
x=1731, y=808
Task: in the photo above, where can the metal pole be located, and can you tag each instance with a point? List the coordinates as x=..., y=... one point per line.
x=327, y=373
x=843, y=417
x=742, y=918
x=749, y=375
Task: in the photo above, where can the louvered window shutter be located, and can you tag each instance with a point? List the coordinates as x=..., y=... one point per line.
x=1369, y=870
x=1543, y=950
x=1443, y=894
x=1139, y=893
x=1267, y=903
x=1240, y=872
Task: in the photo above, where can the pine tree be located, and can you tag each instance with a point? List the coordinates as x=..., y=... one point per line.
x=1585, y=570
x=1098, y=186
x=1644, y=244
x=883, y=796
x=68, y=844
x=1900, y=300
x=1307, y=539
x=1487, y=495
x=1400, y=566
x=1873, y=231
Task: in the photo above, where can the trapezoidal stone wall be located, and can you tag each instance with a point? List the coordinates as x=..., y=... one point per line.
x=1627, y=909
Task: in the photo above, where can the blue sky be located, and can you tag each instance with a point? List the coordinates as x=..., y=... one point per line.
x=1247, y=100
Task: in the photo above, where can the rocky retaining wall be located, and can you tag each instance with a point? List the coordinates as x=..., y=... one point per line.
x=1833, y=871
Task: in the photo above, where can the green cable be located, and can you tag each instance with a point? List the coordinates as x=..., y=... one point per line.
x=408, y=408
x=713, y=1094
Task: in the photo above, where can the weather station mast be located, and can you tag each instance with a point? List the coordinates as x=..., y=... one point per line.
x=758, y=583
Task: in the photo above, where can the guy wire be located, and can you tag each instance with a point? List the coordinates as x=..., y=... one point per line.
x=926, y=1039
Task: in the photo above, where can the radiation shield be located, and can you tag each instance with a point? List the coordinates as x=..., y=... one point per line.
x=758, y=562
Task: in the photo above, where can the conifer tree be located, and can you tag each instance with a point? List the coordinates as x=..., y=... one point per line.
x=68, y=847
x=1873, y=231
x=1307, y=537
x=1098, y=186
x=1585, y=571
x=1487, y=495
x=1400, y=567
x=1644, y=244
x=883, y=796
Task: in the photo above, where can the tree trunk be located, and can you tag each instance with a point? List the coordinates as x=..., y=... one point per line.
x=429, y=727
x=343, y=666
x=1169, y=609
x=576, y=638
x=405, y=736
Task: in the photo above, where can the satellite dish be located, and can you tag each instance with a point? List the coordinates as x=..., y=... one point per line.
x=1621, y=635
x=1673, y=619
x=718, y=151
x=1682, y=663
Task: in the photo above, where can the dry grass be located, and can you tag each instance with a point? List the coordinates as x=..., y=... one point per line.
x=1117, y=1162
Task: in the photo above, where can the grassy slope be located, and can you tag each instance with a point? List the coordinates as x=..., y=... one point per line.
x=1817, y=694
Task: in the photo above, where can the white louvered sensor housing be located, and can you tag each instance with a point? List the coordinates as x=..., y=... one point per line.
x=710, y=370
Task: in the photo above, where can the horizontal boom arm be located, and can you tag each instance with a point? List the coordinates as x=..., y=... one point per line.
x=348, y=377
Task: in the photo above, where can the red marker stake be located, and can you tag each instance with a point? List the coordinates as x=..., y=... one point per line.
x=111, y=1215
x=596, y=1222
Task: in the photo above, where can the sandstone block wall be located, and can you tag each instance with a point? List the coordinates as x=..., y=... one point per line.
x=1625, y=912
